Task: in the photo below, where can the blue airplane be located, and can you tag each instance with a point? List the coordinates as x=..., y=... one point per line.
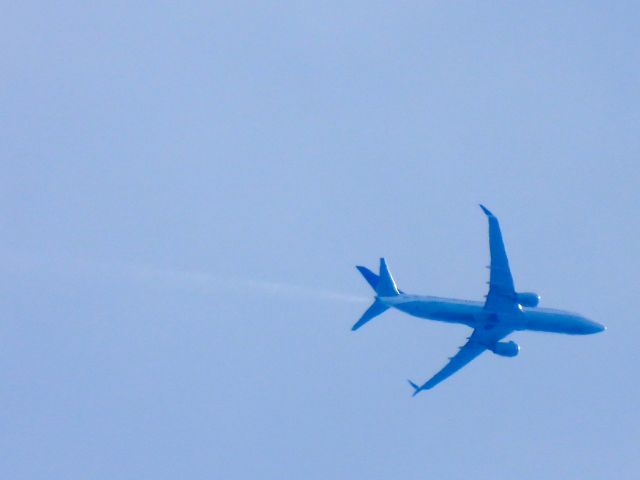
x=503, y=312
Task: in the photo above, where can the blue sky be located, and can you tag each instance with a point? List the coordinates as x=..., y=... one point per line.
x=186, y=189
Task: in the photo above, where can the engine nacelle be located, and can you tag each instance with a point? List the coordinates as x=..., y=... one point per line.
x=506, y=349
x=528, y=299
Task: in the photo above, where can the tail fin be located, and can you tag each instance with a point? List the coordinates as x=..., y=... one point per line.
x=416, y=388
x=371, y=278
x=384, y=286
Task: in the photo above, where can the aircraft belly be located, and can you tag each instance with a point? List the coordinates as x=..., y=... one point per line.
x=442, y=311
x=553, y=322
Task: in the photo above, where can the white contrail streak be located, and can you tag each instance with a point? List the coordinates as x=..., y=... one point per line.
x=203, y=282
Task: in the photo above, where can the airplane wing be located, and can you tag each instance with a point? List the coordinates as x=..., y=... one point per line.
x=476, y=344
x=502, y=292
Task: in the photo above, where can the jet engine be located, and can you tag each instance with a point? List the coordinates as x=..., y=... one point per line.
x=506, y=349
x=528, y=299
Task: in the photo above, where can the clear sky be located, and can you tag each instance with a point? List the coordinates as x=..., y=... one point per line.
x=186, y=189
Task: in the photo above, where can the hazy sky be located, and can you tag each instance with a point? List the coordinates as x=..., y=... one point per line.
x=186, y=189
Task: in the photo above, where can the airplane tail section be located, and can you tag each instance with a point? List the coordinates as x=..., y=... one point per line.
x=384, y=286
x=369, y=276
x=416, y=388
x=376, y=308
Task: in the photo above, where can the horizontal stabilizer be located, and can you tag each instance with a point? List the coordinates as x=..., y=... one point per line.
x=416, y=388
x=369, y=276
x=373, y=311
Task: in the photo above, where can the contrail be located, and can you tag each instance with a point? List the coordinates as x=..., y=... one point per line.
x=192, y=280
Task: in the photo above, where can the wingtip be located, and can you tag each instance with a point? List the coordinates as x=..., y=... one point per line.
x=486, y=210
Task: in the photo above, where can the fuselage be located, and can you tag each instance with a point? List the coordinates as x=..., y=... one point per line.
x=473, y=314
x=504, y=311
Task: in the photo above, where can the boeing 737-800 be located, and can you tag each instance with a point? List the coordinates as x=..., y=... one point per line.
x=503, y=312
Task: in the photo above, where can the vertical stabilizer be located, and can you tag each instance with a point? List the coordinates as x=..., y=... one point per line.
x=386, y=284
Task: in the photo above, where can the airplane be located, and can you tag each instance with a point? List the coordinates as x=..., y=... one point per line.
x=503, y=312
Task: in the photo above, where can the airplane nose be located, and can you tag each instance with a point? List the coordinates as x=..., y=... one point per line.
x=594, y=327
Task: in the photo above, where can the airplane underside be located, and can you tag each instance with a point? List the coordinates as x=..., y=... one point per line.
x=473, y=315
x=503, y=312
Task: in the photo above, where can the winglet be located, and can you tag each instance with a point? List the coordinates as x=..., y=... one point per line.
x=415, y=387
x=486, y=211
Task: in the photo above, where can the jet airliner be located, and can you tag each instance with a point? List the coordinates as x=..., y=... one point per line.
x=503, y=312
